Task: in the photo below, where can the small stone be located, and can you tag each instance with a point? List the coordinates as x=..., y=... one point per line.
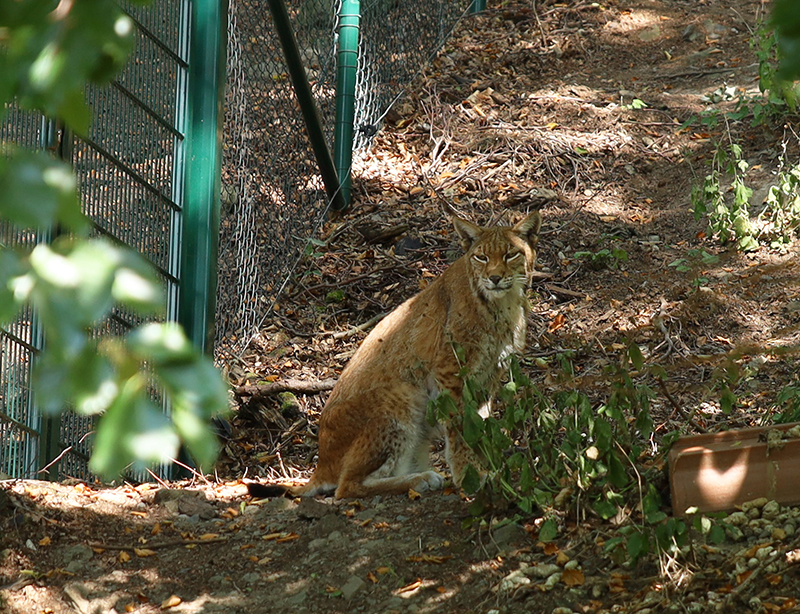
x=543, y=570
x=513, y=581
x=737, y=519
x=734, y=534
x=551, y=582
x=563, y=610
x=251, y=578
x=763, y=553
x=789, y=529
x=778, y=534
x=754, y=503
x=771, y=510
x=311, y=509
x=352, y=586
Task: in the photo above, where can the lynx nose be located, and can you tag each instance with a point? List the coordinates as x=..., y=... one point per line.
x=495, y=279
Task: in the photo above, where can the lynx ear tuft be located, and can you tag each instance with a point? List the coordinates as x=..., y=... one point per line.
x=468, y=232
x=529, y=228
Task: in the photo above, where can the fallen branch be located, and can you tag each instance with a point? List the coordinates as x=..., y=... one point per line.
x=564, y=292
x=288, y=385
x=171, y=544
x=343, y=334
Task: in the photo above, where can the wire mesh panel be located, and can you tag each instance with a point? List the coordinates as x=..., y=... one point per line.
x=19, y=341
x=273, y=196
x=130, y=174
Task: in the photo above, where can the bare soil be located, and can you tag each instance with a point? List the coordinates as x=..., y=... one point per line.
x=525, y=98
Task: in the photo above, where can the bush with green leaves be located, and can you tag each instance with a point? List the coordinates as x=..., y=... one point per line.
x=50, y=52
x=568, y=456
x=724, y=196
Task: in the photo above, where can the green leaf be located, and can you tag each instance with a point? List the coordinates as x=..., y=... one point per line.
x=548, y=531
x=133, y=429
x=471, y=481
x=605, y=509
x=616, y=471
x=636, y=357
x=38, y=192
x=473, y=426
x=11, y=268
x=638, y=545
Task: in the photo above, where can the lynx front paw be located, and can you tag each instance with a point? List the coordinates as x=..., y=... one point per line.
x=429, y=480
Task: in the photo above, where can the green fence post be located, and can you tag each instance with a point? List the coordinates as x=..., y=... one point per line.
x=305, y=99
x=347, y=66
x=477, y=6
x=203, y=130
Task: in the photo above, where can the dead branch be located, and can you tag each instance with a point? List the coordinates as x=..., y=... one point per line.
x=288, y=385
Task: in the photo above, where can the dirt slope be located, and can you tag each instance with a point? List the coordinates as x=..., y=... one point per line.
x=519, y=100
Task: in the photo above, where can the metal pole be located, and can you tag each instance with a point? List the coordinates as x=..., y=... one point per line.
x=477, y=6
x=203, y=130
x=305, y=99
x=349, y=24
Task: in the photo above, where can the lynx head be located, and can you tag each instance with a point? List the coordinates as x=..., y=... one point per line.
x=500, y=258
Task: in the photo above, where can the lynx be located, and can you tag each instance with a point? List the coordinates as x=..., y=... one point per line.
x=374, y=437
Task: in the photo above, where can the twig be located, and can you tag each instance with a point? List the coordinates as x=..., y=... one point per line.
x=343, y=334
x=564, y=292
x=677, y=408
x=288, y=385
x=172, y=544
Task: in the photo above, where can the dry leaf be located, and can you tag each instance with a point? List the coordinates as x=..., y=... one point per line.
x=573, y=577
x=548, y=548
x=45, y=541
x=139, y=514
x=413, y=494
x=774, y=579
x=441, y=589
x=383, y=570
x=561, y=559
x=144, y=552
x=410, y=587
x=171, y=602
x=124, y=557
x=287, y=537
x=372, y=578
x=557, y=323
x=156, y=529
x=208, y=536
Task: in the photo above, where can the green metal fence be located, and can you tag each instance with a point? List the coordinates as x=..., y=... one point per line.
x=148, y=170
x=142, y=185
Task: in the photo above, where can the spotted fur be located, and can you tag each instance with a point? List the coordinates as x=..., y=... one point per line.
x=373, y=434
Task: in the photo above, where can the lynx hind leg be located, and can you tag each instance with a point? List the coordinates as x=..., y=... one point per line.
x=390, y=464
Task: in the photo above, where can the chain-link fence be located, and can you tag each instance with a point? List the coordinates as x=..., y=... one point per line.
x=129, y=175
x=273, y=194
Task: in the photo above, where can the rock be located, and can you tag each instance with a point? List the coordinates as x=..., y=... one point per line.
x=311, y=509
x=737, y=519
x=194, y=506
x=327, y=525
x=351, y=587
x=771, y=510
x=551, y=582
x=513, y=581
x=251, y=578
x=297, y=598
x=754, y=504
x=78, y=552
x=509, y=537
x=543, y=570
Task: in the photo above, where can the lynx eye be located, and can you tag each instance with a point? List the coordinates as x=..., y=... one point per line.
x=514, y=256
x=480, y=258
